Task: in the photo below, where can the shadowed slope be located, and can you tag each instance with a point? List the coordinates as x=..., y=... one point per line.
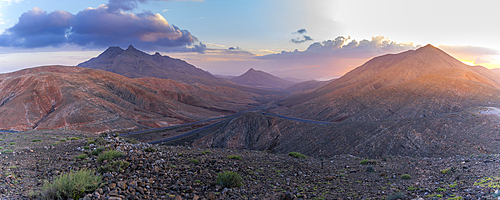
x=260, y=79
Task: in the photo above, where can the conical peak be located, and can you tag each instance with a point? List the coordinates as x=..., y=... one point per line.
x=252, y=70
x=130, y=47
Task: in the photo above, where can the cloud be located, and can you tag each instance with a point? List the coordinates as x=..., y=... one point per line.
x=304, y=38
x=469, y=50
x=106, y=25
x=301, y=31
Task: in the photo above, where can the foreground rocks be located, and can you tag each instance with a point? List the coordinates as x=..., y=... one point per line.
x=165, y=172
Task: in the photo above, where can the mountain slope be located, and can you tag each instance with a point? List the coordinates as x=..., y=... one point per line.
x=260, y=79
x=417, y=103
x=95, y=100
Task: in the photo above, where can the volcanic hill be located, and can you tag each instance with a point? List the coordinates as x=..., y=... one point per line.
x=260, y=79
x=134, y=63
x=419, y=103
x=92, y=100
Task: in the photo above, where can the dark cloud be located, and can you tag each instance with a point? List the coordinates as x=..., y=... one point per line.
x=103, y=26
x=301, y=31
x=303, y=39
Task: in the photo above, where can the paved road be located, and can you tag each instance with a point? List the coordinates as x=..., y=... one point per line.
x=191, y=123
x=6, y=131
x=206, y=127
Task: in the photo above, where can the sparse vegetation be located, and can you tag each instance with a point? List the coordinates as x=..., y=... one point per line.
x=405, y=176
x=447, y=170
x=109, y=155
x=368, y=162
x=63, y=140
x=74, y=138
x=12, y=143
x=397, y=195
x=72, y=185
x=131, y=140
x=296, y=155
x=370, y=169
x=206, y=152
x=90, y=142
x=37, y=140
x=7, y=151
x=229, y=179
x=149, y=149
x=236, y=157
x=100, y=141
x=114, y=166
x=81, y=156
x=194, y=160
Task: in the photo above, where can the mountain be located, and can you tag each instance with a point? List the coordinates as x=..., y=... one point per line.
x=496, y=70
x=418, y=103
x=307, y=86
x=260, y=79
x=134, y=63
x=92, y=100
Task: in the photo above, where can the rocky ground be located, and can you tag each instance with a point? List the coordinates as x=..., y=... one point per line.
x=167, y=172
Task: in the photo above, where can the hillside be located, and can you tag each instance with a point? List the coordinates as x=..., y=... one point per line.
x=260, y=79
x=92, y=100
x=416, y=103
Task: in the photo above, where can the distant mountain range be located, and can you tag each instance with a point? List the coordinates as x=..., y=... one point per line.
x=260, y=79
x=420, y=103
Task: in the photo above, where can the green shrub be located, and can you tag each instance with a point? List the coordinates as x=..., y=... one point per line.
x=370, y=169
x=229, y=179
x=194, y=160
x=109, y=155
x=447, y=170
x=296, y=155
x=12, y=143
x=37, y=140
x=63, y=140
x=149, y=149
x=90, y=142
x=114, y=166
x=73, y=185
x=206, y=152
x=441, y=190
x=131, y=140
x=236, y=157
x=81, y=156
x=397, y=195
x=368, y=162
x=411, y=188
x=7, y=151
x=1, y=148
x=405, y=176
x=100, y=141
x=54, y=144
x=74, y=138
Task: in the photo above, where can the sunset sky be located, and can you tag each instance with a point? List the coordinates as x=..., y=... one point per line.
x=305, y=39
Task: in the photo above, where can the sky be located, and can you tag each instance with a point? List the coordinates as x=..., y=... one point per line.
x=300, y=39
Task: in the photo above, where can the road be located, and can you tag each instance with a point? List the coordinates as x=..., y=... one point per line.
x=206, y=127
x=6, y=131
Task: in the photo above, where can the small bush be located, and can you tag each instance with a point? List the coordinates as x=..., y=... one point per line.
x=131, y=140
x=114, y=166
x=37, y=140
x=194, y=160
x=90, y=142
x=447, y=170
x=7, y=151
x=411, y=188
x=206, y=152
x=109, y=155
x=397, y=195
x=149, y=149
x=229, y=179
x=72, y=185
x=81, y=156
x=440, y=190
x=368, y=162
x=370, y=169
x=54, y=144
x=236, y=157
x=1, y=148
x=296, y=155
x=100, y=141
x=74, y=138
x=63, y=140
x=86, y=147
x=12, y=143
x=405, y=176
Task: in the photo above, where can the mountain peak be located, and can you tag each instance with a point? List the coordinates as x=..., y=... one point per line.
x=130, y=47
x=252, y=70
